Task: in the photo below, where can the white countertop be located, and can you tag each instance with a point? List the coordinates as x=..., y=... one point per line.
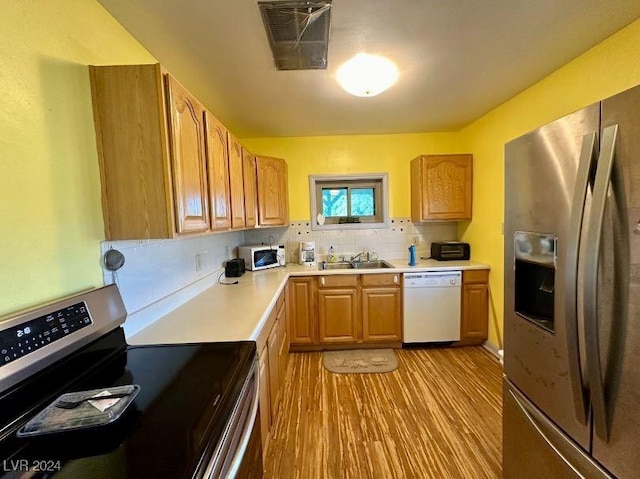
x=238, y=312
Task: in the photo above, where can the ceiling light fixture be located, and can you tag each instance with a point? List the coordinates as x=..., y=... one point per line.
x=367, y=75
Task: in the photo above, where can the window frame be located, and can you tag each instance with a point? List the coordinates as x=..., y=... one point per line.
x=380, y=183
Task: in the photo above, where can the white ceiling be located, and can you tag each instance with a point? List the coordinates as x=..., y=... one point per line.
x=458, y=59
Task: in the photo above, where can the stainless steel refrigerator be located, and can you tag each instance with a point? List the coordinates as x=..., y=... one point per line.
x=572, y=296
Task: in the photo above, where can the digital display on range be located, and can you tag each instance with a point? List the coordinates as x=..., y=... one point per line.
x=30, y=336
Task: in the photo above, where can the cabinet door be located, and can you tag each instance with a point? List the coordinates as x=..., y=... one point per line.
x=441, y=187
x=272, y=191
x=132, y=128
x=338, y=315
x=273, y=348
x=283, y=353
x=381, y=314
x=218, y=173
x=301, y=311
x=236, y=182
x=475, y=312
x=250, y=194
x=188, y=159
x=265, y=403
x=474, y=321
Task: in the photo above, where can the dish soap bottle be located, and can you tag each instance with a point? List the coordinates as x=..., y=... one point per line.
x=331, y=258
x=412, y=255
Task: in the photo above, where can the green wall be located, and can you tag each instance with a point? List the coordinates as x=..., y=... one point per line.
x=50, y=213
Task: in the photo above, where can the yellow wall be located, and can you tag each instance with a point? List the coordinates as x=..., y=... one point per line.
x=608, y=68
x=50, y=214
x=353, y=154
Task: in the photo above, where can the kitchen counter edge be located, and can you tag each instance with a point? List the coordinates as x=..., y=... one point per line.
x=239, y=312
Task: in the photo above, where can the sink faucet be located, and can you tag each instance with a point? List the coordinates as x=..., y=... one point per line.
x=357, y=257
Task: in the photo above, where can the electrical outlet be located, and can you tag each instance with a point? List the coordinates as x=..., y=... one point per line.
x=198, y=262
x=415, y=240
x=226, y=251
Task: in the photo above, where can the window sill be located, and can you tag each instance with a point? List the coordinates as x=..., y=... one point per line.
x=349, y=226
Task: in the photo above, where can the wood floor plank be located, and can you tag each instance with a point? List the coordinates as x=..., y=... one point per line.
x=439, y=415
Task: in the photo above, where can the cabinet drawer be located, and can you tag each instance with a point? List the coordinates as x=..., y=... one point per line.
x=475, y=276
x=383, y=279
x=338, y=281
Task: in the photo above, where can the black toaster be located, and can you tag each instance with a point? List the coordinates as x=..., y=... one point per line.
x=234, y=268
x=450, y=250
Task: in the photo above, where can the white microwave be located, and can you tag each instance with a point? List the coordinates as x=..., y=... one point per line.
x=259, y=257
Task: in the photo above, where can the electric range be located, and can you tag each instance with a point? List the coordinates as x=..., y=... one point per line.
x=195, y=414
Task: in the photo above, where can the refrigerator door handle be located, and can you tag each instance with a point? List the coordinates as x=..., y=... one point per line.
x=592, y=253
x=587, y=158
x=570, y=454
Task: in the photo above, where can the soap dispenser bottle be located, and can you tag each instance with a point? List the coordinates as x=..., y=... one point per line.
x=412, y=255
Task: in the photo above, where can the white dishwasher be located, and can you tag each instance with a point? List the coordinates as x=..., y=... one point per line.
x=432, y=306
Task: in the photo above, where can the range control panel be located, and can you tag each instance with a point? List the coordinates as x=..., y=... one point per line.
x=32, y=335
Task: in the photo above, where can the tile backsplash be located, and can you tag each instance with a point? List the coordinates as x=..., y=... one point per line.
x=389, y=243
x=154, y=269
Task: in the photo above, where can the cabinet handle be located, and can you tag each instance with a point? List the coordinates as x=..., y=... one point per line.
x=322, y=280
x=395, y=279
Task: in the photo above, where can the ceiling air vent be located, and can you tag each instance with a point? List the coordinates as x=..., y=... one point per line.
x=298, y=33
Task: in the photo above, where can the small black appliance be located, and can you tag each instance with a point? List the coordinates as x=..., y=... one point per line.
x=450, y=251
x=234, y=268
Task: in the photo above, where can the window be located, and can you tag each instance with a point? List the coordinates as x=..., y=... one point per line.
x=353, y=201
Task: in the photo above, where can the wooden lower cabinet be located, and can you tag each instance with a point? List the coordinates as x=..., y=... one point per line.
x=283, y=351
x=265, y=401
x=338, y=315
x=343, y=310
x=381, y=314
x=273, y=348
x=474, y=321
x=274, y=361
x=301, y=311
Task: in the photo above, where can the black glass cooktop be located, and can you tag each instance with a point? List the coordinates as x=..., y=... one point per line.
x=187, y=394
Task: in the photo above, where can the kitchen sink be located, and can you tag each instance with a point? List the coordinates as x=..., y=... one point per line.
x=355, y=265
x=339, y=265
x=372, y=264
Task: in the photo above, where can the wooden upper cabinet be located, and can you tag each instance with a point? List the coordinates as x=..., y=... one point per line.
x=441, y=187
x=250, y=194
x=130, y=118
x=188, y=159
x=273, y=204
x=150, y=135
x=218, y=173
x=236, y=182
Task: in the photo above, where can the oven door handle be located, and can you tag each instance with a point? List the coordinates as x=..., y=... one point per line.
x=248, y=428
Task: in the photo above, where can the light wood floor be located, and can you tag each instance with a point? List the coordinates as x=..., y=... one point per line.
x=438, y=415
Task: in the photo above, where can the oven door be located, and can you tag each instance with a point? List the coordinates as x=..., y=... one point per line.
x=239, y=453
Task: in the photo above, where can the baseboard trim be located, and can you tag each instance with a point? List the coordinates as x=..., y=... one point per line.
x=492, y=348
